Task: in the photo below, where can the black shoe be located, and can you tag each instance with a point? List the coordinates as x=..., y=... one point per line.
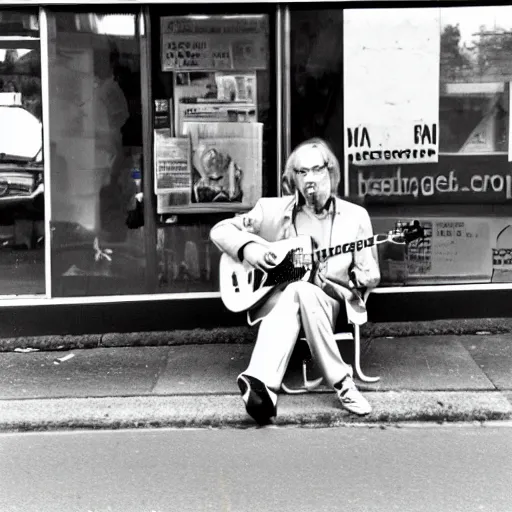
x=260, y=401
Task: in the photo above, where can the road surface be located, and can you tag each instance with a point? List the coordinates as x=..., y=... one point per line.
x=412, y=469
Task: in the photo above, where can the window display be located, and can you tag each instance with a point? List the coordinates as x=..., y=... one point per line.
x=211, y=65
x=213, y=136
x=424, y=129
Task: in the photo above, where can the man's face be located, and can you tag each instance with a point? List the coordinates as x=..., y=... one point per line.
x=312, y=177
x=214, y=167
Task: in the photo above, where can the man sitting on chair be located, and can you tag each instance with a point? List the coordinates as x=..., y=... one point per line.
x=312, y=175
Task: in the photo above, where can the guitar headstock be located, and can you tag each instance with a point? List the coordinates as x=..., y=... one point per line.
x=413, y=232
x=408, y=233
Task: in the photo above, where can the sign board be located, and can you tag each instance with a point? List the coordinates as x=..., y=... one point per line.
x=391, y=85
x=461, y=179
x=214, y=42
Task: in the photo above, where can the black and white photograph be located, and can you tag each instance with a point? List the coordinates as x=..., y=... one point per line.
x=255, y=256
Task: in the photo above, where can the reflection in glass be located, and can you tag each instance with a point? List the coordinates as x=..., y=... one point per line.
x=21, y=158
x=476, y=44
x=188, y=261
x=317, y=77
x=95, y=131
x=226, y=105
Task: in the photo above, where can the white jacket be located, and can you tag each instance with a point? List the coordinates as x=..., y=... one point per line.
x=272, y=220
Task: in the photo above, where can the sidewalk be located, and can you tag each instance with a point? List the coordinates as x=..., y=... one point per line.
x=448, y=378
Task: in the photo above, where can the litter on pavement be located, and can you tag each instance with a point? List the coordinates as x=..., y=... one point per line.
x=63, y=359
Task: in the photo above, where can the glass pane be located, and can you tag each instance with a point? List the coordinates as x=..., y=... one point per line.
x=476, y=69
x=317, y=77
x=187, y=259
x=96, y=137
x=212, y=80
x=21, y=158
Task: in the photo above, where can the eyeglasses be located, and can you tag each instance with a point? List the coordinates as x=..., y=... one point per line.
x=315, y=170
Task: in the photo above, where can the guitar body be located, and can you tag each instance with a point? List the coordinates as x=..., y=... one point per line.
x=243, y=287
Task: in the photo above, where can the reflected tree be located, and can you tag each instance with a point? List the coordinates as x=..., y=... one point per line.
x=455, y=59
x=494, y=52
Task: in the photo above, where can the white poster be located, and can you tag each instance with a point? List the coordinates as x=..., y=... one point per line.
x=391, y=85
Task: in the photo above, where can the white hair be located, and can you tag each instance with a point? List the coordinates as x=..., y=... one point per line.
x=289, y=175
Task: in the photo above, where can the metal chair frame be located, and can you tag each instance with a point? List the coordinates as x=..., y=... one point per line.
x=312, y=385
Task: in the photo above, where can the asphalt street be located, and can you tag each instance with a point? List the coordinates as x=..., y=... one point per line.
x=370, y=469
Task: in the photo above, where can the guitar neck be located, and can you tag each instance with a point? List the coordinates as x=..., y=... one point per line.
x=303, y=259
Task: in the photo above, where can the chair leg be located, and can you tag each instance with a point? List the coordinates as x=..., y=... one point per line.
x=357, y=358
x=309, y=385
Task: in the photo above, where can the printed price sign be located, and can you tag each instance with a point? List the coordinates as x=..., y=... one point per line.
x=213, y=43
x=192, y=52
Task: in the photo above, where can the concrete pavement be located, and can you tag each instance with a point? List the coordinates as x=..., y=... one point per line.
x=446, y=378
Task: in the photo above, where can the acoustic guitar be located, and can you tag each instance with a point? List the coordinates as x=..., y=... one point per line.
x=243, y=287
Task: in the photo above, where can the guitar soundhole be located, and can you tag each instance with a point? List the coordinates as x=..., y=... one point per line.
x=285, y=272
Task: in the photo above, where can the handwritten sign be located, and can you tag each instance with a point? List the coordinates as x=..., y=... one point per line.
x=214, y=43
x=391, y=59
x=456, y=178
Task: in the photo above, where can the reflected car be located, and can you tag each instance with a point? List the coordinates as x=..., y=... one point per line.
x=21, y=159
x=21, y=172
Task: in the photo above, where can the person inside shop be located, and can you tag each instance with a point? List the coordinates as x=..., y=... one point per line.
x=311, y=177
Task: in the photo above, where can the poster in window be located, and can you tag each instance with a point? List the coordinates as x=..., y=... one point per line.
x=391, y=87
x=227, y=162
x=214, y=43
x=172, y=165
x=215, y=97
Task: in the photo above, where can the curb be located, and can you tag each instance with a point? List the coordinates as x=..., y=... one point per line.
x=227, y=411
x=244, y=334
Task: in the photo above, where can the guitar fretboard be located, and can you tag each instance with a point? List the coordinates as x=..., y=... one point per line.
x=301, y=259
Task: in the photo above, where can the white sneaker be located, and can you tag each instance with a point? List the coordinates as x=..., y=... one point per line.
x=351, y=398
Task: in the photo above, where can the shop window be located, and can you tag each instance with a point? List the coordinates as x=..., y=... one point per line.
x=21, y=155
x=96, y=149
x=214, y=134
x=211, y=111
x=476, y=49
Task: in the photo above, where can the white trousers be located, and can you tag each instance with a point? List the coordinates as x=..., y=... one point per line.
x=300, y=304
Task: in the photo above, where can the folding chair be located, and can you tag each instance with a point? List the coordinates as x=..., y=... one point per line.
x=311, y=385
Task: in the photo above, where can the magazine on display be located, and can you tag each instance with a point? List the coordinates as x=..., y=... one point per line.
x=225, y=166
x=172, y=166
x=229, y=156
x=214, y=97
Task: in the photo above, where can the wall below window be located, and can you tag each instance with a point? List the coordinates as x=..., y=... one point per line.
x=164, y=315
